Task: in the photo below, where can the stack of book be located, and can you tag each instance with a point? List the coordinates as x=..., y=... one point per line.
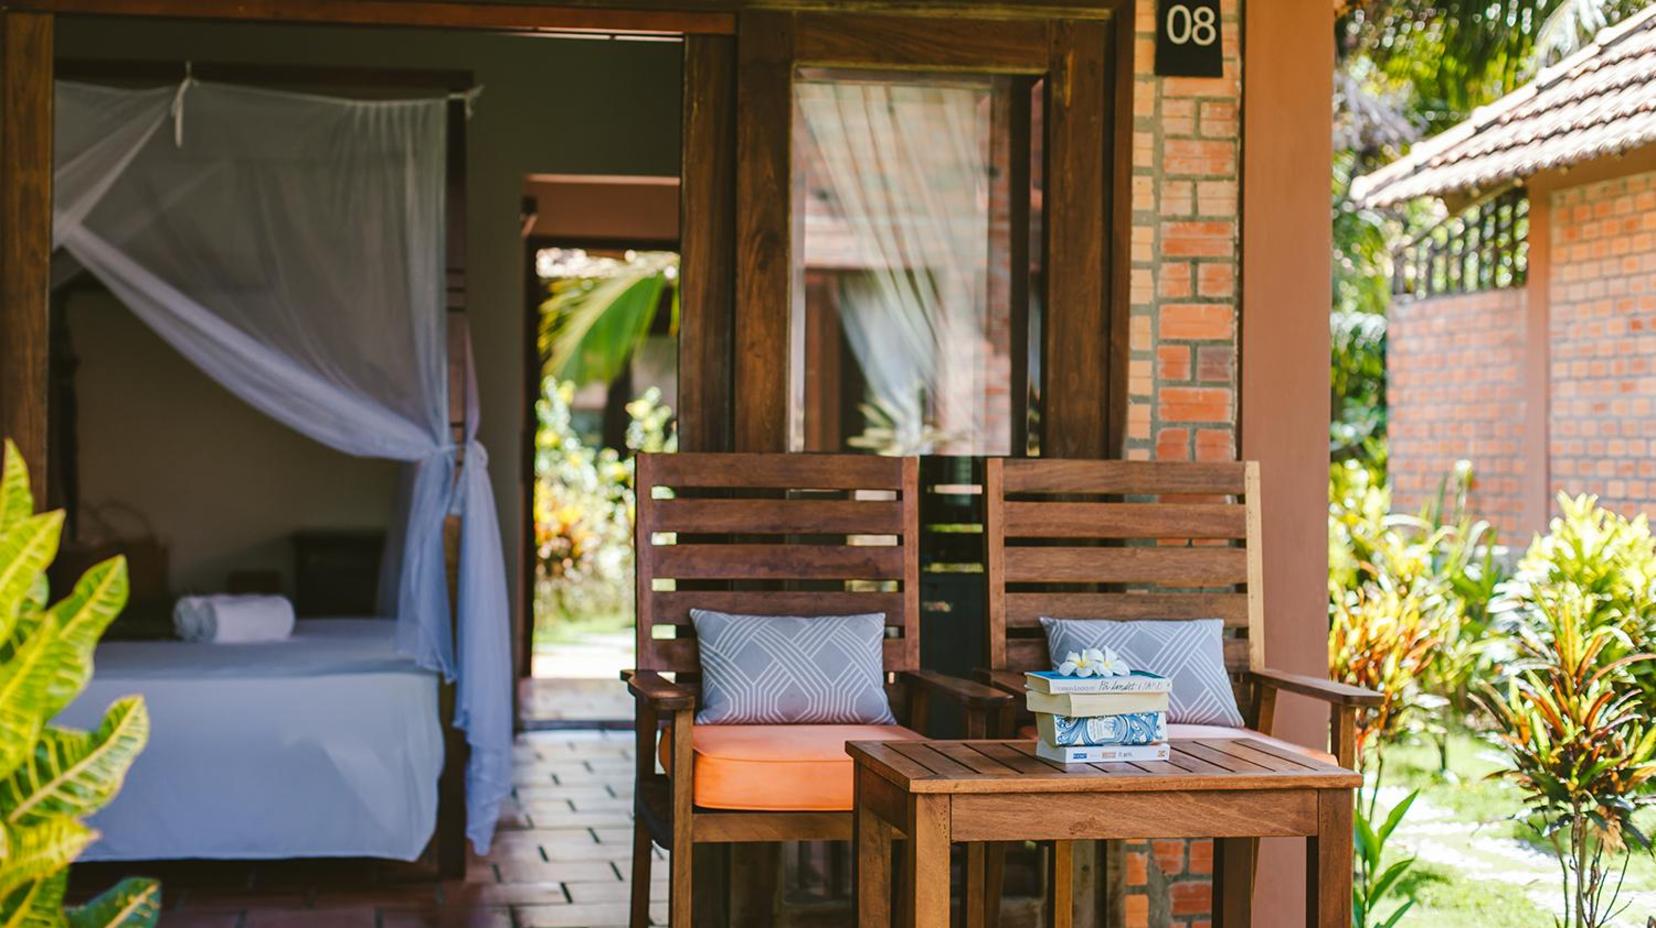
x=1090, y=720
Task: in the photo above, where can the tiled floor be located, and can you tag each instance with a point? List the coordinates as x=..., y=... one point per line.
x=567, y=700
x=560, y=860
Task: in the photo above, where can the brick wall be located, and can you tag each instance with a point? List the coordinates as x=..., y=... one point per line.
x=1455, y=388
x=1182, y=380
x=1602, y=305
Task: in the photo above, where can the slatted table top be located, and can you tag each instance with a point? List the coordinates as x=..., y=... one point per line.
x=1012, y=767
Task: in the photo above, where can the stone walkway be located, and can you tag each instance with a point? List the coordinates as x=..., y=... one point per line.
x=560, y=860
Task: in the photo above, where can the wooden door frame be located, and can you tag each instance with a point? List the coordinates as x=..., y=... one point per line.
x=533, y=382
x=1088, y=66
x=712, y=186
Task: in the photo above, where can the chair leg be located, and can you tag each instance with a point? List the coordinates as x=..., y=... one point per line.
x=643, y=851
x=679, y=899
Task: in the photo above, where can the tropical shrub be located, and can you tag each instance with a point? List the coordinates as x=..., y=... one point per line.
x=598, y=310
x=583, y=506
x=1609, y=559
x=1580, y=749
x=51, y=777
x=1442, y=562
x=1383, y=638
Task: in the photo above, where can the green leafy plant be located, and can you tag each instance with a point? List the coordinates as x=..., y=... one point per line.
x=1376, y=881
x=599, y=310
x=1382, y=638
x=583, y=507
x=1581, y=752
x=51, y=777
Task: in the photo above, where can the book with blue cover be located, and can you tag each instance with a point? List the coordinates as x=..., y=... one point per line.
x=1103, y=754
x=1102, y=730
x=1139, y=681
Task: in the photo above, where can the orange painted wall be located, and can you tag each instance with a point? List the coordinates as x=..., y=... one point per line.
x=1287, y=80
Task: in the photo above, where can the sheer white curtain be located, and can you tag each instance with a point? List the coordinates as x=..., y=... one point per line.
x=906, y=166
x=291, y=246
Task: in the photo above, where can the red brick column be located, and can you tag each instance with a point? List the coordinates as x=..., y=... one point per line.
x=1182, y=379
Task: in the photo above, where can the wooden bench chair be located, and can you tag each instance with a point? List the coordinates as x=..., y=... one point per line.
x=767, y=534
x=1137, y=540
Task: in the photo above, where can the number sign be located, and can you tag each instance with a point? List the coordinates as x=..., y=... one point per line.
x=1188, y=39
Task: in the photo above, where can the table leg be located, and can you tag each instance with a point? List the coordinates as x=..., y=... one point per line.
x=1328, y=863
x=871, y=873
x=928, y=861
x=1061, y=878
x=1233, y=876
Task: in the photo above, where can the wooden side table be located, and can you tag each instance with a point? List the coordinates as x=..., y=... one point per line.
x=1234, y=791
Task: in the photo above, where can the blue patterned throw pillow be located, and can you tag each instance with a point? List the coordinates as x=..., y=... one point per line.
x=792, y=670
x=1190, y=652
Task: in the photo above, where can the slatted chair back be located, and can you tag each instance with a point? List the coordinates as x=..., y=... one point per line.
x=772, y=534
x=1121, y=540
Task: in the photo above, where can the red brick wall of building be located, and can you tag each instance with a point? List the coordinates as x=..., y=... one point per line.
x=1602, y=305
x=1455, y=389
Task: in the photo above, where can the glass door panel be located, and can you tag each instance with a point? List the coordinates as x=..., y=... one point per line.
x=916, y=207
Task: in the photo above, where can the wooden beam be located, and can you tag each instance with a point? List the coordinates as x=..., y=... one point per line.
x=1076, y=327
x=906, y=42
x=25, y=233
x=764, y=231
x=686, y=17
x=611, y=16
x=100, y=69
x=707, y=231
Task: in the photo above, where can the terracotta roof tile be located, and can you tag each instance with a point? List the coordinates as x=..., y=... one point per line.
x=1599, y=101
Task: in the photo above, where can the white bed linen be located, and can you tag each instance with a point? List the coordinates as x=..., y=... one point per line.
x=324, y=745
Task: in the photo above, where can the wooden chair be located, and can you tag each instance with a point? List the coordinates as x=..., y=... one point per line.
x=765, y=534
x=1137, y=540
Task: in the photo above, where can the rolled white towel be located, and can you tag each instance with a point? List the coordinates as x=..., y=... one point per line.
x=226, y=619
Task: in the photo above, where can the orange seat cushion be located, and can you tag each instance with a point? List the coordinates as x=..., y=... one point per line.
x=1219, y=733
x=777, y=768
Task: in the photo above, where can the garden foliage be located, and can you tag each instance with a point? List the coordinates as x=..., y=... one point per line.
x=51, y=777
x=583, y=506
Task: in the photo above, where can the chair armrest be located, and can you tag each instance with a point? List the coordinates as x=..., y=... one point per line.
x=1329, y=691
x=969, y=694
x=1007, y=681
x=663, y=694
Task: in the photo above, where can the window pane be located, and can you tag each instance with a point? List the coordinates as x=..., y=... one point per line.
x=909, y=307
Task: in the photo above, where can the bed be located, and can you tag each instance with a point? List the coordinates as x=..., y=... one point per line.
x=325, y=745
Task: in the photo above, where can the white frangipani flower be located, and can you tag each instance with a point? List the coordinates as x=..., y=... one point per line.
x=1113, y=665
x=1088, y=663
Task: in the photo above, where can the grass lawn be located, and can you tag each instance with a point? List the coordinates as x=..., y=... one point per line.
x=1476, y=865
x=568, y=629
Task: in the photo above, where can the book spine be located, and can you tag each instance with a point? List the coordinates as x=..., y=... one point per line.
x=1132, y=728
x=1085, y=685
x=1109, y=755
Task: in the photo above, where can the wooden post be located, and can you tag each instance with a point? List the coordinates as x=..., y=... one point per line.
x=1074, y=417
x=707, y=235
x=25, y=232
x=764, y=230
